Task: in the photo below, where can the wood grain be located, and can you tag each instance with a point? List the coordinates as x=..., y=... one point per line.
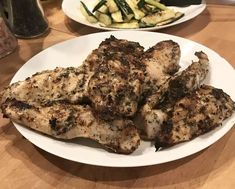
x=22, y=165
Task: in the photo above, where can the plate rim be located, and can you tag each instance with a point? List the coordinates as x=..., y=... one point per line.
x=19, y=127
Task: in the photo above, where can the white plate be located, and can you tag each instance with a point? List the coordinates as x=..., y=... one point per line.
x=71, y=9
x=73, y=52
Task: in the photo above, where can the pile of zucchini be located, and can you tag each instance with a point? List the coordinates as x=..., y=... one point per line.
x=130, y=14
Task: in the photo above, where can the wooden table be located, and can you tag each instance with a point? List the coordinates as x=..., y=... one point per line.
x=22, y=165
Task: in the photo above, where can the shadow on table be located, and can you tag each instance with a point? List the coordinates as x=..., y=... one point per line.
x=194, y=169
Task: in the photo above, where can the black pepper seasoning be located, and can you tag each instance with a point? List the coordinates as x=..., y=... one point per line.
x=25, y=17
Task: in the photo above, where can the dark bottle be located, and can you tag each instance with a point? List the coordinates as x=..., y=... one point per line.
x=180, y=2
x=24, y=17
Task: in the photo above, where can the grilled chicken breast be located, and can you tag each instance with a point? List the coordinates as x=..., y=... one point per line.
x=61, y=84
x=98, y=99
x=117, y=50
x=161, y=61
x=197, y=113
x=182, y=83
x=50, y=101
x=153, y=113
x=115, y=87
x=66, y=121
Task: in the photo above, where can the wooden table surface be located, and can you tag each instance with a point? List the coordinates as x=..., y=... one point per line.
x=23, y=165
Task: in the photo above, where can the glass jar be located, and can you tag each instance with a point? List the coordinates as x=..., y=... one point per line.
x=8, y=42
x=25, y=18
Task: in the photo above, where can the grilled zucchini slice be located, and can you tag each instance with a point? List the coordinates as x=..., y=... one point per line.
x=125, y=9
x=158, y=17
x=138, y=14
x=87, y=14
x=104, y=18
x=99, y=5
x=117, y=16
x=133, y=24
x=103, y=9
x=156, y=4
x=178, y=15
x=112, y=6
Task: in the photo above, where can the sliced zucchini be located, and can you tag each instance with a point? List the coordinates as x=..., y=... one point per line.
x=138, y=14
x=112, y=6
x=104, y=18
x=156, y=4
x=132, y=4
x=125, y=9
x=133, y=24
x=178, y=15
x=99, y=5
x=150, y=9
x=128, y=17
x=103, y=9
x=158, y=17
x=141, y=3
x=117, y=16
x=144, y=25
x=87, y=14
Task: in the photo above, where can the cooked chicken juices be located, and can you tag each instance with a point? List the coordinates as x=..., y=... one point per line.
x=117, y=83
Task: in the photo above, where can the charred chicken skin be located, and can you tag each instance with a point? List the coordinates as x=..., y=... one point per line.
x=116, y=85
x=61, y=84
x=153, y=113
x=162, y=62
x=66, y=121
x=197, y=113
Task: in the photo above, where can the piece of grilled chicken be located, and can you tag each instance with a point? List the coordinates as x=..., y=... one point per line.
x=61, y=84
x=47, y=92
x=113, y=77
x=66, y=121
x=197, y=113
x=49, y=102
x=182, y=83
x=162, y=62
x=154, y=112
x=116, y=85
x=125, y=75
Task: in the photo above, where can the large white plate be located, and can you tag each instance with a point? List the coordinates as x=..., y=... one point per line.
x=71, y=9
x=73, y=52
